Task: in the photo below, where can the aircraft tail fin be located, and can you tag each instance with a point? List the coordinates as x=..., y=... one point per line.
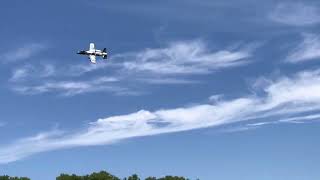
x=105, y=51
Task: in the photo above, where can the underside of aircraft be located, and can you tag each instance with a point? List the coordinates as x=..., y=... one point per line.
x=92, y=53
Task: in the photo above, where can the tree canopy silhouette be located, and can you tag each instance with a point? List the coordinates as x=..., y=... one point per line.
x=102, y=175
x=6, y=177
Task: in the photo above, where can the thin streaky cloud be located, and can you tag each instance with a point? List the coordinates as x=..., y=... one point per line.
x=189, y=57
x=295, y=14
x=307, y=50
x=260, y=124
x=81, y=69
x=238, y=129
x=71, y=88
x=216, y=98
x=295, y=120
x=302, y=118
x=179, y=57
x=22, y=53
x=292, y=120
x=174, y=81
x=170, y=65
x=20, y=73
x=32, y=72
x=282, y=94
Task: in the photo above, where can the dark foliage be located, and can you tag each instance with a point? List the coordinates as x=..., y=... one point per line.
x=94, y=176
x=102, y=175
x=13, y=178
x=172, y=178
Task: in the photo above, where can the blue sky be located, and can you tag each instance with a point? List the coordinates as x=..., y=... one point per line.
x=209, y=90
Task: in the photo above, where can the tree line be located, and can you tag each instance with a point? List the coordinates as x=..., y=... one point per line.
x=6, y=177
x=102, y=175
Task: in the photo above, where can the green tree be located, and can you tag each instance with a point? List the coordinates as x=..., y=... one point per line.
x=151, y=178
x=134, y=177
x=103, y=175
x=172, y=178
x=69, y=177
x=6, y=177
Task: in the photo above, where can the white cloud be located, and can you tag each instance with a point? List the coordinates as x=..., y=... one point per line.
x=31, y=72
x=49, y=70
x=308, y=49
x=169, y=80
x=80, y=69
x=294, y=120
x=171, y=65
x=284, y=97
x=238, y=129
x=258, y=124
x=215, y=98
x=22, y=53
x=20, y=73
x=301, y=118
x=189, y=57
x=180, y=57
x=296, y=14
x=70, y=88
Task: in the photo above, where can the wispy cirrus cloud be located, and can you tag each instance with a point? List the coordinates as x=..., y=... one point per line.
x=20, y=73
x=308, y=49
x=32, y=72
x=179, y=57
x=171, y=65
x=167, y=81
x=71, y=88
x=21, y=53
x=300, y=119
x=284, y=99
x=295, y=14
x=186, y=57
x=294, y=120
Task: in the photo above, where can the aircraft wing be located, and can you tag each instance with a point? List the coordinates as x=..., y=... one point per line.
x=92, y=58
x=91, y=48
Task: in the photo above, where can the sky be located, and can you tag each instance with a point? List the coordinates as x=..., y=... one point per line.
x=202, y=89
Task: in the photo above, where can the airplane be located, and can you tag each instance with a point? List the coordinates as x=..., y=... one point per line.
x=92, y=53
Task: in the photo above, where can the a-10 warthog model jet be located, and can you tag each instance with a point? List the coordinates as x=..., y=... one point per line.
x=93, y=53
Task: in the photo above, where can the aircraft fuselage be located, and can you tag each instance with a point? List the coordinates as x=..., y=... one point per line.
x=92, y=53
x=95, y=53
